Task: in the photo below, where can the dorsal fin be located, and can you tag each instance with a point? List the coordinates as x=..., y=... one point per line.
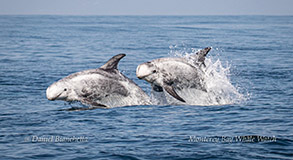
x=201, y=55
x=113, y=62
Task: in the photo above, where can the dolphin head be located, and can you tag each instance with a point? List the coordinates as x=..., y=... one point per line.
x=61, y=90
x=147, y=71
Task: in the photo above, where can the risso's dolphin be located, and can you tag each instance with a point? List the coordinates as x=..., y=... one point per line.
x=102, y=87
x=174, y=74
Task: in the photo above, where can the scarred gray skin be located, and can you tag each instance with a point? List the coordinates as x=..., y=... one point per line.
x=102, y=87
x=174, y=74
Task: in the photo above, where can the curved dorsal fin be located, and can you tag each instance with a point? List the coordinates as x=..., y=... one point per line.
x=113, y=62
x=202, y=54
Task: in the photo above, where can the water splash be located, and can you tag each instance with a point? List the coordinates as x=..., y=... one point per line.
x=220, y=90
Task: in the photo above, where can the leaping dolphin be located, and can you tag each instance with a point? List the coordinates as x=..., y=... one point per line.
x=102, y=87
x=173, y=74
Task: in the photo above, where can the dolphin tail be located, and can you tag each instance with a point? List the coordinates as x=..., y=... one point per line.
x=113, y=62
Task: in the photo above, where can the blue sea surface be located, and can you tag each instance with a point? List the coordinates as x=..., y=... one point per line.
x=36, y=51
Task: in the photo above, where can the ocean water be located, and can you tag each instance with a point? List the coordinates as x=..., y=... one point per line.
x=252, y=53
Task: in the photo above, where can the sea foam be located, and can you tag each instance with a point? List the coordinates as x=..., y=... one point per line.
x=220, y=90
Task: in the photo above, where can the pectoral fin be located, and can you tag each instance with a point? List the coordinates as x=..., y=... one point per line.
x=172, y=92
x=79, y=109
x=93, y=103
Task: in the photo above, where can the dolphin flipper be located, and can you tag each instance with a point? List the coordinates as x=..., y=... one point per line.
x=80, y=108
x=93, y=103
x=113, y=62
x=172, y=92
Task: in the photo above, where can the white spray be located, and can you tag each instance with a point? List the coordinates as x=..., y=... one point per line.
x=220, y=91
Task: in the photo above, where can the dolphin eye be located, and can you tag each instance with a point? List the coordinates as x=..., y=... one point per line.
x=154, y=71
x=65, y=89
